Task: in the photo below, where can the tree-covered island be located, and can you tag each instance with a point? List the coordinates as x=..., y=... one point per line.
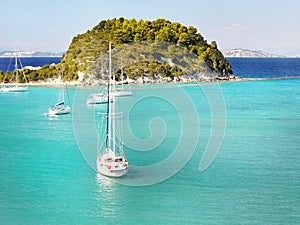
x=143, y=48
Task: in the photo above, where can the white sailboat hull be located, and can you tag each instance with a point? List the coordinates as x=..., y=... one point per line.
x=95, y=98
x=121, y=93
x=13, y=89
x=98, y=100
x=108, y=173
x=112, y=165
x=59, y=111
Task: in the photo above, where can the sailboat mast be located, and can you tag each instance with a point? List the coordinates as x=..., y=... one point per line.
x=102, y=67
x=16, y=68
x=122, y=73
x=114, y=83
x=108, y=124
x=63, y=79
x=67, y=90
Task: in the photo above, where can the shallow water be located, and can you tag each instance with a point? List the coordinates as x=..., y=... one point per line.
x=47, y=174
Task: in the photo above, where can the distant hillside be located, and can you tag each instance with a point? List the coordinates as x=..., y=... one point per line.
x=30, y=54
x=249, y=53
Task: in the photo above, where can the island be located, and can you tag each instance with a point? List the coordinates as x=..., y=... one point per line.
x=158, y=50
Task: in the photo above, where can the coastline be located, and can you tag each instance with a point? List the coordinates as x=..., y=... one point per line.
x=194, y=82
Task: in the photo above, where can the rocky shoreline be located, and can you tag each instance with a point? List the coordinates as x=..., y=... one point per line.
x=54, y=83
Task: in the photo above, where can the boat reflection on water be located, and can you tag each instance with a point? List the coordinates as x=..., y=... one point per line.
x=109, y=200
x=104, y=180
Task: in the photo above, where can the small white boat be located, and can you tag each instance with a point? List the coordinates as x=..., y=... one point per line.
x=99, y=98
x=111, y=160
x=95, y=98
x=60, y=108
x=15, y=88
x=121, y=93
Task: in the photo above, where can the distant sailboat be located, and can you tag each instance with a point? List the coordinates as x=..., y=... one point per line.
x=15, y=87
x=100, y=97
x=61, y=107
x=120, y=92
x=111, y=160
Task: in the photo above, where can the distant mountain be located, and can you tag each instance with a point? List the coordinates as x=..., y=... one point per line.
x=238, y=52
x=30, y=54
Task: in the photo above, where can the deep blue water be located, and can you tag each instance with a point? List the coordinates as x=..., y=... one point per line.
x=243, y=67
x=8, y=64
x=265, y=67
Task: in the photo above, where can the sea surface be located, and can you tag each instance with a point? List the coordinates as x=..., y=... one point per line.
x=265, y=67
x=225, y=153
x=7, y=64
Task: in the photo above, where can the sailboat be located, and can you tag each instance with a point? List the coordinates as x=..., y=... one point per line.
x=111, y=160
x=100, y=97
x=15, y=87
x=60, y=107
x=120, y=92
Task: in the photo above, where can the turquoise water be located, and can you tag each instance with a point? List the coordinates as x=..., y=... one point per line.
x=46, y=177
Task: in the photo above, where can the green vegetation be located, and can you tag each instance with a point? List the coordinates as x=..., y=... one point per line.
x=141, y=45
x=86, y=48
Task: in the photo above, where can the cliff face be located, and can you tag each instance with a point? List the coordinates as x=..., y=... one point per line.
x=147, y=48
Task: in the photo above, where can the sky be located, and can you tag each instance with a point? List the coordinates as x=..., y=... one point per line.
x=49, y=25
